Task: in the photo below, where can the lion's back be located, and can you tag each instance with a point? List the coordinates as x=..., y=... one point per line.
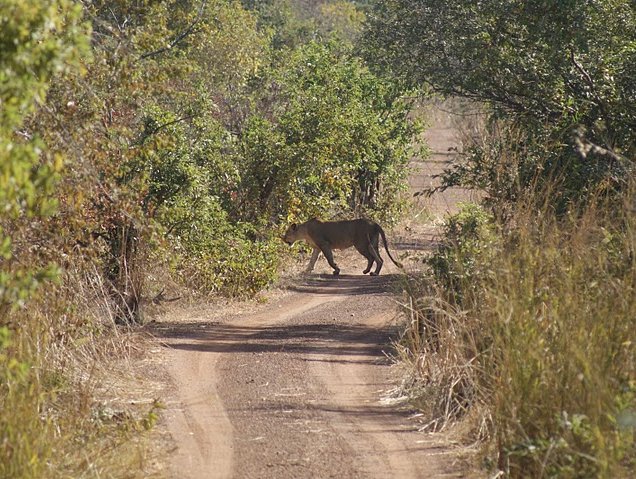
x=343, y=234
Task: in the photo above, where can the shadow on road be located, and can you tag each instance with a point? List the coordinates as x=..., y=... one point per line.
x=316, y=331
x=347, y=284
x=313, y=338
x=415, y=245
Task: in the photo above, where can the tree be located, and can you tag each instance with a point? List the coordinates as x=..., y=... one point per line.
x=563, y=71
x=146, y=130
x=295, y=23
x=38, y=39
x=334, y=138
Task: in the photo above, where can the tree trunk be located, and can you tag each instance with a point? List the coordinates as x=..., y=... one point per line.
x=122, y=271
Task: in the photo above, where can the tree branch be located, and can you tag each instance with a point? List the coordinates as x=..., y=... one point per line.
x=179, y=37
x=582, y=71
x=147, y=135
x=584, y=147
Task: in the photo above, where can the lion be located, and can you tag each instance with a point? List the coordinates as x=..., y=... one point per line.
x=329, y=235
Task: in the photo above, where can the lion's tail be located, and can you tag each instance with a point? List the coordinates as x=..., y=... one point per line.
x=386, y=247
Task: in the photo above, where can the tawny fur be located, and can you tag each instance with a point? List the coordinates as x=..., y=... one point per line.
x=326, y=236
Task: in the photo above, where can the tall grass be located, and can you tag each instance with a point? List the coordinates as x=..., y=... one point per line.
x=532, y=330
x=62, y=360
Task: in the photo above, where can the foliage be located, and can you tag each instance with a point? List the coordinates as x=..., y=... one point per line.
x=562, y=73
x=186, y=123
x=232, y=264
x=294, y=23
x=542, y=348
x=335, y=138
x=149, y=143
x=288, y=26
x=31, y=52
x=40, y=41
x=230, y=146
x=462, y=258
x=341, y=19
x=564, y=373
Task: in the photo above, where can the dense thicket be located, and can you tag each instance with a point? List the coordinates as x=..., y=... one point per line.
x=560, y=73
x=174, y=137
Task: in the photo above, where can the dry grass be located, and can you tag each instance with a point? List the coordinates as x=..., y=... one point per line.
x=540, y=344
x=73, y=401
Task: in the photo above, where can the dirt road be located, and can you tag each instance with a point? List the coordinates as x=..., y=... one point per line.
x=299, y=387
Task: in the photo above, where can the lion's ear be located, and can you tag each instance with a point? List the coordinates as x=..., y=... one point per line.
x=294, y=226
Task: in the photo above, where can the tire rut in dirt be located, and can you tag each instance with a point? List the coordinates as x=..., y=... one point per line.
x=281, y=410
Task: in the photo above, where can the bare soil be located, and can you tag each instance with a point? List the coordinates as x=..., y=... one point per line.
x=300, y=386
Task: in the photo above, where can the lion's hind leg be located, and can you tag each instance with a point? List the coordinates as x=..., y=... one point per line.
x=373, y=251
x=372, y=257
x=370, y=262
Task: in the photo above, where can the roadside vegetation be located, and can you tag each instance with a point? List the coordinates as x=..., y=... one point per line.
x=524, y=325
x=146, y=145
x=171, y=142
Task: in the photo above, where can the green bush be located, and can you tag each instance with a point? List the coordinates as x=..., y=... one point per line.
x=232, y=264
x=463, y=257
x=334, y=139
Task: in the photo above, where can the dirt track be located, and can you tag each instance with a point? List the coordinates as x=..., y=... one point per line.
x=298, y=387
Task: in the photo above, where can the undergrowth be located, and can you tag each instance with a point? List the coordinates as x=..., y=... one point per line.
x=63, y=366
x=528, y=329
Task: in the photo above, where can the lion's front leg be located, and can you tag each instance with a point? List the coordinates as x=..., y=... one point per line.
x=326, y=251
x=312, y=262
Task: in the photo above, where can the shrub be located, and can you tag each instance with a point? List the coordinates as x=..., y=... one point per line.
x=233, y=266
x=543, y=347
x=469, y=241
x=333, y=138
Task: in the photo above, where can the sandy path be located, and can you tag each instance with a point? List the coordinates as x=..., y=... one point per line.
x=297, y=387
x=295, y=390
x=198, y=410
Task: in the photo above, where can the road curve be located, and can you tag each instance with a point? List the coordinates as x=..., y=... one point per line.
x=295, y=389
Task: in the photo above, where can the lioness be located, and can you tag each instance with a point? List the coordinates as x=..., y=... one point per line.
x=329, y=235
